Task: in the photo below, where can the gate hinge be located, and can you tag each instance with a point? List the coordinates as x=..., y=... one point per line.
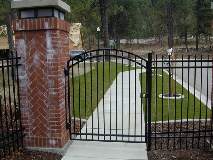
x=66, y=72
x=17, y=114
x=68, y=126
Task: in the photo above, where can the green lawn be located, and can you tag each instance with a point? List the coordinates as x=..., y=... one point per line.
x=163, y=110
x=92, y=86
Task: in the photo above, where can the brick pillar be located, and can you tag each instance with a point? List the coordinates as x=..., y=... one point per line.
x=43, y=45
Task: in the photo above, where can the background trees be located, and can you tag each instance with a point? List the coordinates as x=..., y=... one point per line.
x=6, y=16
x=203, y=15
x=136, y=19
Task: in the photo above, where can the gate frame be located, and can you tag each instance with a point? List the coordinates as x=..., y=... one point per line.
x=147, y=97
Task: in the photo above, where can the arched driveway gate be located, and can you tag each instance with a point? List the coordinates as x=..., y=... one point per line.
x=108, y=96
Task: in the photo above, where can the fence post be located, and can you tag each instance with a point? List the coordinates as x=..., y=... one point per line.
x=149, y=95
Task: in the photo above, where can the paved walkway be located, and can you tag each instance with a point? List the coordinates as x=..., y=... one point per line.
x=130, y=123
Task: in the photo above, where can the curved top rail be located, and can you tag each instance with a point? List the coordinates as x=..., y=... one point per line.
x=97, y=56
x=108, y=49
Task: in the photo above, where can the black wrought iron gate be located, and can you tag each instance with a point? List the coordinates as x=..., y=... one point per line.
x=108, y=96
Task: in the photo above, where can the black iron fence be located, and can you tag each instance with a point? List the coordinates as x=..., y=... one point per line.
x=164, y=101
x=181, y=102
x=10, y=115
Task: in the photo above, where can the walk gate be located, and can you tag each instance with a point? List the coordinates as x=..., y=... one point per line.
x=162, y=100
x=107, y=98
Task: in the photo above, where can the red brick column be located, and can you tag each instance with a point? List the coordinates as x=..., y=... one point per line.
x=43, y=45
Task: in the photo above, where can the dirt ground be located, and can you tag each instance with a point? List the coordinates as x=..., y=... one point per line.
x=152, y=155
x=33, y=155
x=180, y=155
x=181, y=148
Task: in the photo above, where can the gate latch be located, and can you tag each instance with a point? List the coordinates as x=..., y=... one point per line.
x=66, y=72
x=68, y=126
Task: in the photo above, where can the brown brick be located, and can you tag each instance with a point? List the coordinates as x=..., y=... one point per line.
x=43, y=94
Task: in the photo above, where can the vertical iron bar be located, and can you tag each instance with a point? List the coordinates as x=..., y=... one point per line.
x=122, y=96
x=67, y=84
x=187, y=124
x=73, y=98
x=169, y=103
x=175, y=94
x=103, y=93
x=5, y=108
x=201, y=78
x=10, y=106
x=149, y=94
x=170, y=90
x=181, y=108
x=65, y=93
x=162, y=125
x=194, y=102
x=91, y=93
x=141, y=114
x=97, y=90
x=79, y=98
x=69, y=105
x=156, y=98
x=211, y=116
x=14, y=101
x=116, y=95
x=110, y=107
x=85, y=93
x=19, y=103
x=2, y=126
x=129, y=97
x=207, y=99
x=135, y=129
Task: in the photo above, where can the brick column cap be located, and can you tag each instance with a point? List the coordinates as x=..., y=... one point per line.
x=41, y=24
x=41, y=3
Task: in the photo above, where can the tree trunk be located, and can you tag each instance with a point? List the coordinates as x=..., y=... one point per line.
x=89, y=43
x=186, y=39
x=104, y=21
x=82, y=40
x=170, y=25
x=10, y=32
x=161, y=39
x=12, y=53
x=197, y=41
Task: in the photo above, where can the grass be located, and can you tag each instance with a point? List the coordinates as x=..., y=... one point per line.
x=162, y=110
x=89, y=88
